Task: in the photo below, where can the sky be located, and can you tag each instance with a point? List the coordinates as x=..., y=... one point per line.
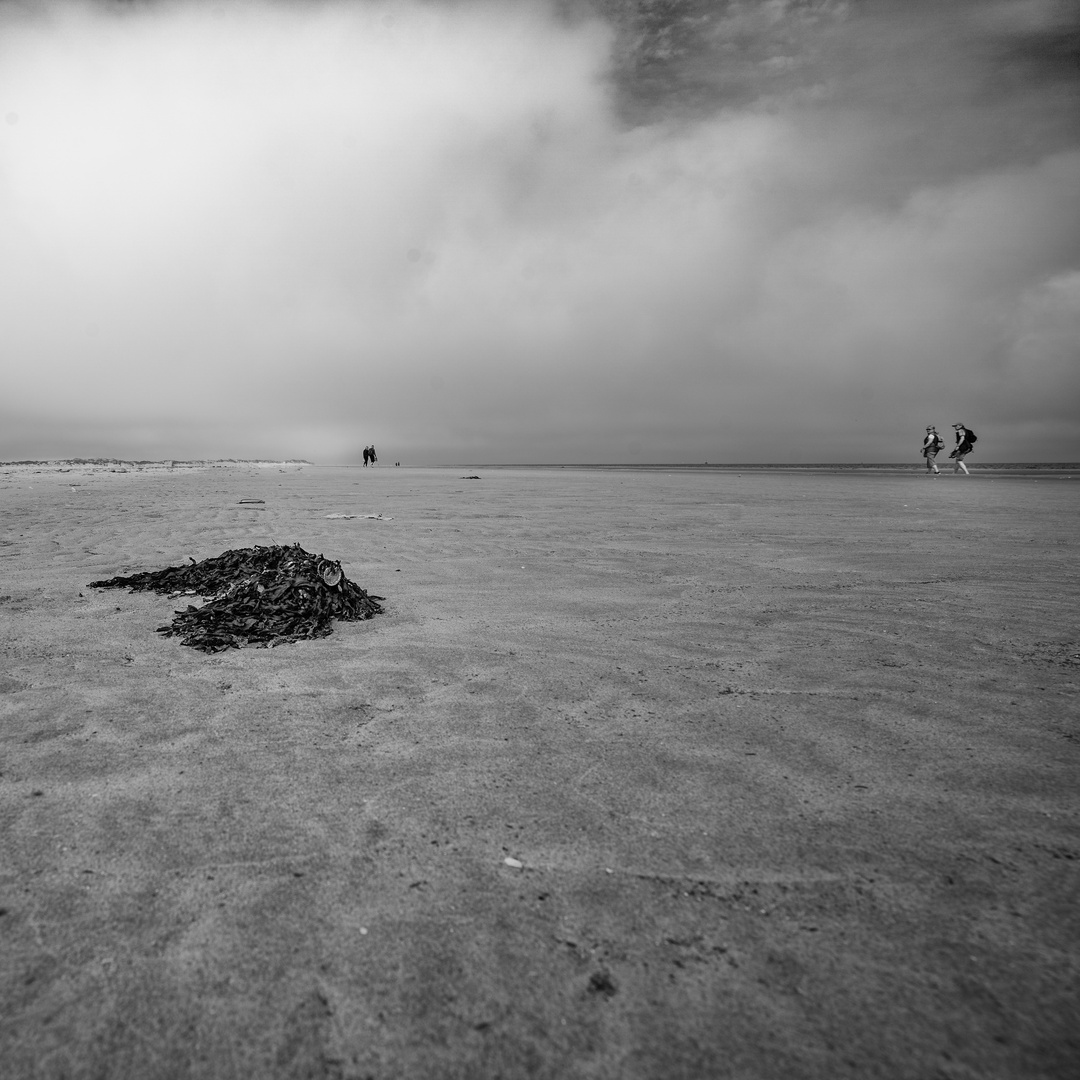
x=593, y=231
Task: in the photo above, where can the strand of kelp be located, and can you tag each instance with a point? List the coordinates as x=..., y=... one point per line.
x=261, y=596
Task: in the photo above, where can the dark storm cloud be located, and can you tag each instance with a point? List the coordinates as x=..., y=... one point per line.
x=782, y=230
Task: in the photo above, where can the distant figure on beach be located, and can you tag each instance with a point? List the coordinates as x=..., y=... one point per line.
x=367, y=456
x=371, y=453
x=965, y=443
x=930, y=447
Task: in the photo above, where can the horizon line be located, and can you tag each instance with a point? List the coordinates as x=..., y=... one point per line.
x=172, y=462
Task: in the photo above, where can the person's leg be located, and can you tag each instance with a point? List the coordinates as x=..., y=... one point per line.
x=963, y=466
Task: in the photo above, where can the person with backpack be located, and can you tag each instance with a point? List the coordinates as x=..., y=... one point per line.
x=965, y=443
x=930, y=447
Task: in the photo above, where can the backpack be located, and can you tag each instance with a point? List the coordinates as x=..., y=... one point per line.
x=971, y=436
x=939, y=442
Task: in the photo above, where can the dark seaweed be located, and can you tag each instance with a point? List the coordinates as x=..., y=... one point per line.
x=261, y=596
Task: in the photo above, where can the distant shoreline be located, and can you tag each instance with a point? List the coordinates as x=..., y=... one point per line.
x=126, y=464
x=165, y=463
x=1023, y=466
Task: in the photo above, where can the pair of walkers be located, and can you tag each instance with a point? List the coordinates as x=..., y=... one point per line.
x=369, y=456
x=933, y=443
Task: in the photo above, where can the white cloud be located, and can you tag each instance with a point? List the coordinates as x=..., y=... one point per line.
x=317, y=226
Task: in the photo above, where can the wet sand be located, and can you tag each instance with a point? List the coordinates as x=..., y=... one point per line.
x=789, y=764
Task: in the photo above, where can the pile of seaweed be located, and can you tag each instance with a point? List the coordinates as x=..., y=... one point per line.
x=261, y=596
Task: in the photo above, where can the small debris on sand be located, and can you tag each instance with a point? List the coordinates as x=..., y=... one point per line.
x=601, y=982
x=261, y=596
x=349, y=517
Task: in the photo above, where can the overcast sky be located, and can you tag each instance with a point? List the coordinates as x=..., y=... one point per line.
x=792, y=230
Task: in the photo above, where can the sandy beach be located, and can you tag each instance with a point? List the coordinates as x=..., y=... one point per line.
x=785, y=766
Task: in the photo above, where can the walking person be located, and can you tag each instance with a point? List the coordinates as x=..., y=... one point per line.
x=930, y=447
x=371, y=453
x=367, y=456
x=965, y=443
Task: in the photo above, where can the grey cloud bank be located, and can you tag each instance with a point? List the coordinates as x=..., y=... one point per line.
x=744, y=232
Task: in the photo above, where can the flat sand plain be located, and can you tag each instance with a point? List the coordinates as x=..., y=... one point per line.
x=789, y=762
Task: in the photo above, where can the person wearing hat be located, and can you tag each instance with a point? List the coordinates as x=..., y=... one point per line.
x=965, y=439
x=930, y=447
